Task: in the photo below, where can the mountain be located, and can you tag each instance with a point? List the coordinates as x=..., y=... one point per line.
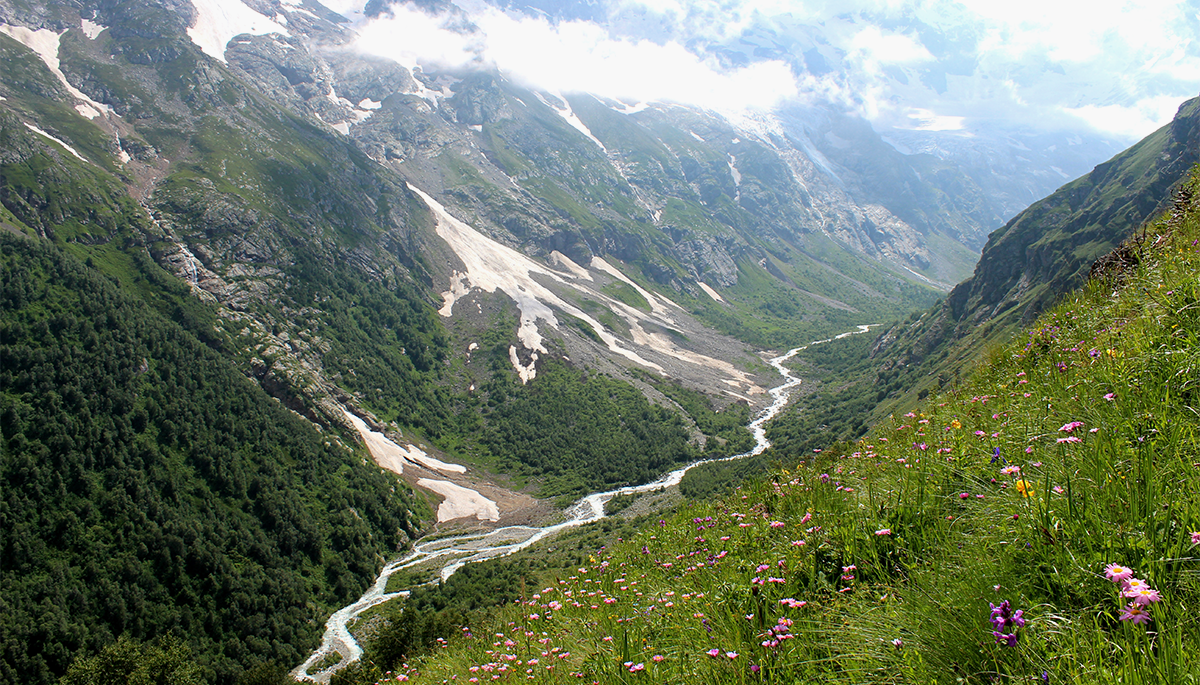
x=1031, y=523
x=1027, y=265
x=1049, y=249
x=272, y=296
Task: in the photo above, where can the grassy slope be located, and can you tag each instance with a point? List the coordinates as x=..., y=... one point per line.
x=910, y=534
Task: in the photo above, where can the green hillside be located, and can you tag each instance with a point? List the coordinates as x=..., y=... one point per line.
x=147, y=487
x=1038, y=523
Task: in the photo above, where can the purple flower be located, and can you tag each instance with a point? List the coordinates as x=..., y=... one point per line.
x=1005, y=622
x=1135, y=612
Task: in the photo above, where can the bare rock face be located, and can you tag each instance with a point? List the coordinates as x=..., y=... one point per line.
x=709, y=261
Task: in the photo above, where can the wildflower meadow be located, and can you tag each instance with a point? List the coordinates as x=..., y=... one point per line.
x=1039, y=522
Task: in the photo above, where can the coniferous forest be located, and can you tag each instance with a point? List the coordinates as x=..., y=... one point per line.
x=148, y=487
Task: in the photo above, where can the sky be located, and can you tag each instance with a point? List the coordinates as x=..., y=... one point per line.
x=1118, y=68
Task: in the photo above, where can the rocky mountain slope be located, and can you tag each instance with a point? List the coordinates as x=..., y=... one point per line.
x=1049, y=248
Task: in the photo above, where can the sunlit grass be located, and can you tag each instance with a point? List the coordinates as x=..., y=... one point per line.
x=888, y=560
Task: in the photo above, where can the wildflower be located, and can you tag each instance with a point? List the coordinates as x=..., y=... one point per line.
x=956, y=424
x=637, y=667
x=897, y=643
x=1136, y=613
x=1117, y=573
x=1143, y=595
x=1058, y=489
x=1024, y=487
x=714, y=652
x=657, y=658
x=884, y=531
x=731, y=655
x=1068, y=427
x=754, y=669
x=1196, y=537
x=1003, y=619
x=1133, y=584
x=1070, y=438
x=1110, y=397
x=996, y=457
x=963, y=495
x=1009, y=470
x=777, y=524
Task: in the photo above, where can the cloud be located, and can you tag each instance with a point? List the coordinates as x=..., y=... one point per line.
x=1118, y=66
x=574, y=56
x=1146, y=115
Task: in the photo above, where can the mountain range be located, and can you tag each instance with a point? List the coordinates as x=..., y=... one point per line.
x=273, y=305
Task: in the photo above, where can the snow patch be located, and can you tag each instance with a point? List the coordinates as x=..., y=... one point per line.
x=630, y=109
x=45, y=43
x=392, y=456
x=218, y=21
x=91, y=29
x=42, y=133
x=368, y=103
x=711, y=293
x=491, y=266
x=656, y=302
x=461, y=502
x=570, y=117
x=559, y=259
x=697, y=137
x=342, y=128
x=386, y=453
x=86, y=111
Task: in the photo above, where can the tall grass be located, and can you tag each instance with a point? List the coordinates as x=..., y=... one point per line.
x=1073, y=448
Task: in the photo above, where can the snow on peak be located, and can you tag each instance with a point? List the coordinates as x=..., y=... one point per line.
x=218, y=21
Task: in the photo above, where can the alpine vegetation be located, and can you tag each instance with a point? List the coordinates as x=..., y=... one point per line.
x=1037, y=522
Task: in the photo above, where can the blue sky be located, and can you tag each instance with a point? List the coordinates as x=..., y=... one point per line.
x=1118, y=68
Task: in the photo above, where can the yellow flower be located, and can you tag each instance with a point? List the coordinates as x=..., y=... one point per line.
x=956, y=424
x=1024, y=487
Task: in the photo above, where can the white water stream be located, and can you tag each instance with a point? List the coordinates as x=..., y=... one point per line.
x=464, y=549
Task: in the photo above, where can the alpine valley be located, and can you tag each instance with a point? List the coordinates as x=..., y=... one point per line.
x=278, y=312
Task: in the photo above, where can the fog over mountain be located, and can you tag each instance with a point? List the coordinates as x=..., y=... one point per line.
x=1119, y=69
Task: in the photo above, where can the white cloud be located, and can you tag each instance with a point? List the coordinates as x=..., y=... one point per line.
x=1145, y=116
x=575, y=56
x=1110, y=64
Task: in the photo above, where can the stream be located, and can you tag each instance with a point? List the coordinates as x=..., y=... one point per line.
x=465, y=549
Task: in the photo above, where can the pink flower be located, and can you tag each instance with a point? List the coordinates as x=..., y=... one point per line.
x=884, y=531
x=637, y=667
x=1143, y=595
x=731, y=655
x=1117, y=573
x=1195, y=538
x=777, y=524
x=1070, y=438
x=963, y=495
x=1009, y=470
x=657, y=658
x=714, y=652
x=1136, y=613
x=1110, y=397
x=1068, y=427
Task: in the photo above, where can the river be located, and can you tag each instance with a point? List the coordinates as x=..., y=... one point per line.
x=464, y=549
